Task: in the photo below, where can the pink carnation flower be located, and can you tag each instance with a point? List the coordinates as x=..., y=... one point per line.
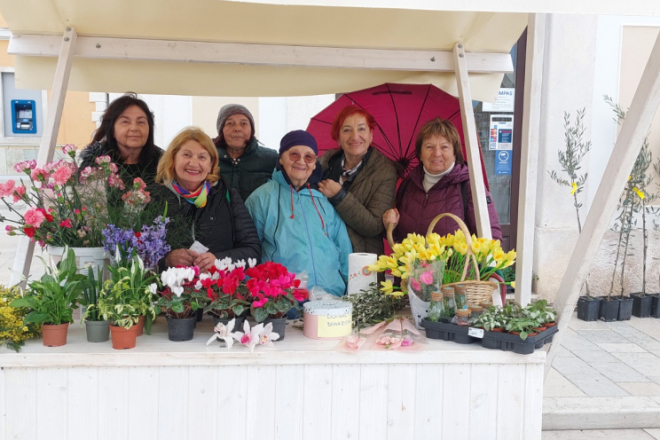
x=34, y=217
x=69, y=149
x=426, y=277
x=7, y=188
x=19, y=192
x=62, y=175
x=26, y=165
x=39, y=174
x=102, y=159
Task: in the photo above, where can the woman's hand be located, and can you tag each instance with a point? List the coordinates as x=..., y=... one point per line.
x=391, y=216
x=205, y=261
x=329, y=188
x=181, y=257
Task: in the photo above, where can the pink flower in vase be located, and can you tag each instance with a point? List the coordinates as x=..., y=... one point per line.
x=62, y=175
x=415, y=284
x=34, y=217
x=19, y=192
x=427, y=277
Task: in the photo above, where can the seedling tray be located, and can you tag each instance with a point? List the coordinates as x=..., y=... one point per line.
x=509, y=342
x=448, y=332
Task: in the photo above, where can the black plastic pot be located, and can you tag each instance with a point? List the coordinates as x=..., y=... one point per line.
x=609, y=309
x=182, y=329
x=655, y=304
x=279, y=326
x=97, y=331
x=625, y=309
x=588, y=308
x=199, y=314
x=641, y=305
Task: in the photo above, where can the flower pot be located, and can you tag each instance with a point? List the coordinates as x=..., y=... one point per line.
x=122, y=338
x=279, y=326
x=497, y=329
x=96, y=256
x=182, y=329
x=625, y=309
x=199, y=314
x=641, y=305
x=139, y=327
x=609, y=309
x=540, y=329
x=97, y=331
x=54, y=335
x=588, y=308
x=238, y=324
x=655, y=304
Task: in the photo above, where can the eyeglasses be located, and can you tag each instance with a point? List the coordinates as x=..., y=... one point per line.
x=308, y=158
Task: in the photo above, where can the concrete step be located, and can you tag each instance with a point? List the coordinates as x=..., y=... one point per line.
x=634, y=412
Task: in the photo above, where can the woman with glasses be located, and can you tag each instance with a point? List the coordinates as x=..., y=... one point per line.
x=297, y=225
x=358, y=180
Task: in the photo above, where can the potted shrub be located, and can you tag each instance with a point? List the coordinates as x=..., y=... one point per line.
x=96, y=328
x=570, y=159
x=522, y=326
x=123, y=300
x=272, y=293
x=181, y=300
x=52, y=300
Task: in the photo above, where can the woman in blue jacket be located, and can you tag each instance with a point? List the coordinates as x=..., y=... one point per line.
x=297, y=225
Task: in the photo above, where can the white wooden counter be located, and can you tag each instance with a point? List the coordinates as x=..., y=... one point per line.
x=302, y=389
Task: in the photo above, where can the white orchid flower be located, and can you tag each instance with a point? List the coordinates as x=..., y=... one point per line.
x=224, y=332
x=267, y=336
x=249, y=337
x=153, y=288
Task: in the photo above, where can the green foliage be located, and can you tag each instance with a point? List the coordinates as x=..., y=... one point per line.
x=275, y=307
x=128, y=294
x=514, y=318
x=13, y=330
x=91, y=289
x=372, y=306
x=185, y=305
x=53, y=298
x=633, y=200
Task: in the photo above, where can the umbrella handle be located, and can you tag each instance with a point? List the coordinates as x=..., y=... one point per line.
x=390, y=229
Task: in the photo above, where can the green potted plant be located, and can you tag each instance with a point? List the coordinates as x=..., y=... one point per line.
x=52, y=300
x=14, y=331
x=96, y=328
x=181, y=299
x=124, y=299
x=570, y=160
x=489, y=320
x=522, y=326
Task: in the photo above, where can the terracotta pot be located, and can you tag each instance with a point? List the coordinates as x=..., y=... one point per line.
x=550, y=324
x=497, y=329
x=54, y=335
x=140, y=326
x=122, y=338
x=540, y=329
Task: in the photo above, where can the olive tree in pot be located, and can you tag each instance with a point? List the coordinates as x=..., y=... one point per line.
x=52, y=300
x=570, y=159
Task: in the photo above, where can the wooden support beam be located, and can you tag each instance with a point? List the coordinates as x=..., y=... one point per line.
x=529, y=156
x=635, y=127
x=261, y=54
x=25, y=249
x=471, y=144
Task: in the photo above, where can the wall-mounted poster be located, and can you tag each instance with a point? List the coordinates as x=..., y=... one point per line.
x=504, y=102
x=501, y=132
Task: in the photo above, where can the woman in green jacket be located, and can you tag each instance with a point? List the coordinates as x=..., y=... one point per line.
x=358, y=180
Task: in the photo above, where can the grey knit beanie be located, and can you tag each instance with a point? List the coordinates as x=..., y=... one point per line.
x=233, y=109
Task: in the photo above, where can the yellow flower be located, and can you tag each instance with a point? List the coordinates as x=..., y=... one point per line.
x=460, y=247
x=397, y=293
x=386, y=287
x=513, y=284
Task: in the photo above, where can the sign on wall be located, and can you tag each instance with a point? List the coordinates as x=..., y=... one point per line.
x=503, y=160
x=504, y=102
x=501, y=132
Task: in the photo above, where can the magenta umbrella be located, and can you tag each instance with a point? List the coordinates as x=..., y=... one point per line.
x=400, y=110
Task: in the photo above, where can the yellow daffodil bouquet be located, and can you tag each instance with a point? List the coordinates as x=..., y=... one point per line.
x=488, y=253
x=419, y=261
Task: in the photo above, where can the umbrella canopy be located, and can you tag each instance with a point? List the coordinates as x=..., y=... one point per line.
x=400, y=110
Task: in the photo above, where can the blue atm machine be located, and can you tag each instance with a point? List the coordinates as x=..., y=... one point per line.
x=23, y=116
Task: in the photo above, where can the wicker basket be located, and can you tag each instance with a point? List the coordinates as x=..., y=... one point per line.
x=477, y=291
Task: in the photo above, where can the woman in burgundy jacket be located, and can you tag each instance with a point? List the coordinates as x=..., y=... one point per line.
x=439, y=184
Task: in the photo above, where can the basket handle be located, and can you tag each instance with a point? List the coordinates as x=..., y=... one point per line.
x=468, y=240
x=390, y=238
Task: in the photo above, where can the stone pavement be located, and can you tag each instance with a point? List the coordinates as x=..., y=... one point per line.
x=605, y=376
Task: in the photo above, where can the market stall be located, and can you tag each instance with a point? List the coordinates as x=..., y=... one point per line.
x=300, y=389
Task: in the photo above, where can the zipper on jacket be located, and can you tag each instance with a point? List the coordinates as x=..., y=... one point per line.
x=309, y=237
x=426, y=199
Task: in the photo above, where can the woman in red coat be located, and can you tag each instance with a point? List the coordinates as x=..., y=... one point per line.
x=439, y=184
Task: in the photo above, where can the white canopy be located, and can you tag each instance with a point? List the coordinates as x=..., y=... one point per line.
x=157, y=60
